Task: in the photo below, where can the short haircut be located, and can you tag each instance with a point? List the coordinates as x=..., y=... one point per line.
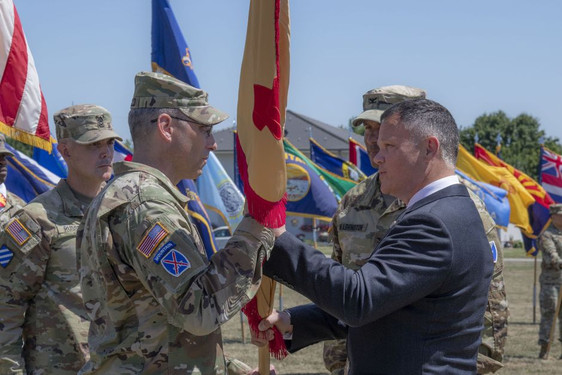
x=426, y=118
x=142, y=121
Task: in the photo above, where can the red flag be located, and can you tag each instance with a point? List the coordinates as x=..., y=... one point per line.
x=23, y=111
x=262, y=100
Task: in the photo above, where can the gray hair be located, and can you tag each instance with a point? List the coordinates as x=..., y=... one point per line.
x=142, y=121
x=424, y=118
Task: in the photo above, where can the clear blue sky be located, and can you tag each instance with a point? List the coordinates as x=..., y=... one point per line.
x=474, y=57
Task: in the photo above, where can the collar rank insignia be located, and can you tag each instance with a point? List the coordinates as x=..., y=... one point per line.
x=6, y=256
x=175, y=263
x=152, y=239
x=18, y=232
x=494, y=251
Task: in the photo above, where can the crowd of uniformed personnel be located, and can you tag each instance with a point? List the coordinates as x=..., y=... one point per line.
x=107, y=275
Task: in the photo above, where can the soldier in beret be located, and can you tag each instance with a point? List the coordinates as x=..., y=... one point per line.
x=550, y=244
x=9, y=203
x=156, y=303
x=43, y=325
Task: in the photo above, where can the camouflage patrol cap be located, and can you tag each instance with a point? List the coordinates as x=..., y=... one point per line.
x=376, y=101
x=556, y=209
x=156, y=90
x=84, y=123
x=3, y=149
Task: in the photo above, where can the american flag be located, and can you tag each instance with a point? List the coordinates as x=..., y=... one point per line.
x=152, y=239
x=23, y=111
x=18, y=232
x=551, y=174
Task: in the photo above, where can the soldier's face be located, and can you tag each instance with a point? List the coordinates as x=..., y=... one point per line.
x=91, y=162
x=557, y=220
x=371, y=136
x=400, y=160
x=194, y=142
x=3, y=168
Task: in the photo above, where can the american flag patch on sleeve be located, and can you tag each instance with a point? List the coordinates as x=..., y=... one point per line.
x=152, y=239
x=18, y=232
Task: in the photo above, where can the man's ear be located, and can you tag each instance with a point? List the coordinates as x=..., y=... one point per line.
x=63, y=149
x=432, y=146
x=164, y=125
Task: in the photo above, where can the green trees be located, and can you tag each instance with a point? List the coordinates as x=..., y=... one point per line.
x=519, y=138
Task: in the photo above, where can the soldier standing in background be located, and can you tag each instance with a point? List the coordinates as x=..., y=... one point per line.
x=43, y=326
x=156, y=303
x=365, y=214
x=9, y=203
x=550, y=244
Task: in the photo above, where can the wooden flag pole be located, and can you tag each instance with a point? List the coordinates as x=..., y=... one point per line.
x=553, y=326
x=265, y=297
x=535, y=291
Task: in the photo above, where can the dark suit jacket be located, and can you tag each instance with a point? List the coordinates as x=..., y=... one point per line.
x=415, y=307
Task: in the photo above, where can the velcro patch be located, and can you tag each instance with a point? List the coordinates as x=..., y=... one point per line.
x=152, y=239
x=6, y=256
x=175, y=263
x=163, y=251
x=494, y=251
x=18, y=232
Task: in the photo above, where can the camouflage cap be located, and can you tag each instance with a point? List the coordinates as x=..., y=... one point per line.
x=3, y=149
x=556, y=209
x=84, y=123
x=156, y=90
x=376, y=101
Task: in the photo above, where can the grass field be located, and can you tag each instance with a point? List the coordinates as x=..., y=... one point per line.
x=520, y=353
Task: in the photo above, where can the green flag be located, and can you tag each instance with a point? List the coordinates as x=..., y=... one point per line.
x=339, y=185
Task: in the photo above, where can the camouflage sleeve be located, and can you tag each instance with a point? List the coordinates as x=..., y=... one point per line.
x=550, y=257
x=198, y=295
x=23, y=259
x=336, y=249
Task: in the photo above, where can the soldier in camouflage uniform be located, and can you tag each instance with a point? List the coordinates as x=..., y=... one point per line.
x=550, y=244
x=156, y=303
x=9, y=203
x=43, y=326
x=365, y=214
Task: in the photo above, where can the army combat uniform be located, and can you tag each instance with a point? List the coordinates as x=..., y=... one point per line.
x=43, y=329
x=361, y=221
x=550, y=244
x=156, y=303
x=12, y=204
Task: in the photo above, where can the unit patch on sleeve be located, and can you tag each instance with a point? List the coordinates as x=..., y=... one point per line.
x=175, y=263
x=18, y=232
x=152, y=239
x=494, y=251
x=163, y=251
x=6, y=256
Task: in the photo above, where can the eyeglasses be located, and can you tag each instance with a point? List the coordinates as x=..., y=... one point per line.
x=207, y=129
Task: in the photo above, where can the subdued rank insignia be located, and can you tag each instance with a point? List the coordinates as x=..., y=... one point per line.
x=494, y=251
x=18, y=232
x=152, y=239
x=6, y=256
x=175, y=263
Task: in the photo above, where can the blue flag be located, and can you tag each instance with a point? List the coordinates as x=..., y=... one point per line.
x=494, y=198
x=220, y=194
x=360, y=157
x=199, y=216
x=307, y=194
x=334, y=164
x=170, y=53
x=52, y=161
x=26, y=178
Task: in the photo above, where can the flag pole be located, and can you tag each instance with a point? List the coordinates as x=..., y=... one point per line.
x=535, y=291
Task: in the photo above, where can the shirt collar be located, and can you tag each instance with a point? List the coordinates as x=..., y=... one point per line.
x=433, y=187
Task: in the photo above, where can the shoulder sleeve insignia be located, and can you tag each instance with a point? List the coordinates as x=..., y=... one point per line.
x=18, y=232
x=494, y=251
x=175, y=263
x=152, y=239
x=6, y=256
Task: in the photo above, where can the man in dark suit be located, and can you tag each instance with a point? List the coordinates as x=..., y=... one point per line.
x=416, y=306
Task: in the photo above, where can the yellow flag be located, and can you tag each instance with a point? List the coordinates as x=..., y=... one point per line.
x=519, y=198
